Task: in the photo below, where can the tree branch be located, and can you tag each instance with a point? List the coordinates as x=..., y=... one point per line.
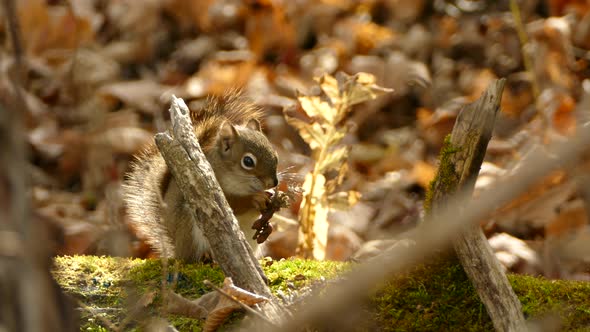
x=461, y=160
x=186, y=161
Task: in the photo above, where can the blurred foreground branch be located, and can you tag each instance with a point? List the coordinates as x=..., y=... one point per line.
x=30, y=300
x=434, y=235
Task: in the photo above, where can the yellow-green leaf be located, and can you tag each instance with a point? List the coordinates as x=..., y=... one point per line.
x=337, y=135
x=315, y=108
x=359, y=88
x=312, y=133
x=330, y=87
x=333, y=160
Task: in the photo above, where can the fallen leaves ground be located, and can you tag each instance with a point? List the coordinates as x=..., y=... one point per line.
x=100, y=73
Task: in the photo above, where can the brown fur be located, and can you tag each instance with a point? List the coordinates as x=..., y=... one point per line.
x=233, y=106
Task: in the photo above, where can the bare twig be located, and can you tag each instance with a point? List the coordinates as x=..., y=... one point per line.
x=15, y=38
x=72, y=87
x=522, y=36
x=14, y=131
x=242, y=305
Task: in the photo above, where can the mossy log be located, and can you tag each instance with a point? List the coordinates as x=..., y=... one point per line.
x=433, y=297
x=461, y=159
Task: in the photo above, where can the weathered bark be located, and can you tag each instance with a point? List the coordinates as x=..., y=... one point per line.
x=199, y=186
x=461, y=160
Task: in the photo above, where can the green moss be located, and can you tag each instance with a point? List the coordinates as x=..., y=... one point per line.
x=440, y=297
x=103, y=283
x=188, y=278
x=446, y=178
x=432, y=297
x=541, y=296
x=98, y=282
x=437, y=296
x=285, y=274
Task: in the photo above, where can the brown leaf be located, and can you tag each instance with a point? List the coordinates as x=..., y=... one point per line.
x=226, y=306
x=564, y=119
x=214, y=77
x=572, y=218
x=216, y=317
x=144, y=95
x=359, y=88
x=124, y=140
x=312, y=133
x=315, y=107
x=52, y=27
x=423, y=173
x=333, y=160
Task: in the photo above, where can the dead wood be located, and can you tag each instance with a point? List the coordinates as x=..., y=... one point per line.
x=461, y=160
x=229, y=248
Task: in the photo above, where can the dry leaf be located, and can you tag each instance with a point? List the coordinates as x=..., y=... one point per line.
x=225, y=306
x=333, y=160
x=47, y=27
x=423, y=173
x=572, y=218
x=315, y=107
x=312, y=134
x=124, y=140
x=352, y=90
x=564, y=118
x=143, y=95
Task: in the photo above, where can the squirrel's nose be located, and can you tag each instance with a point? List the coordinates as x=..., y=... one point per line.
x=271, y=182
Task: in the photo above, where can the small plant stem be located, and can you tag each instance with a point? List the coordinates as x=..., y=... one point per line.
x=522, y=36
x=307, y=248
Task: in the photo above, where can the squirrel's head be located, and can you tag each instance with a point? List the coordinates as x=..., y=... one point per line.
x=246, y=161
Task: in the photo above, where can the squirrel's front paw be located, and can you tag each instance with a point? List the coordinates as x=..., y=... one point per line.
x=273, y=203
x=261, y=201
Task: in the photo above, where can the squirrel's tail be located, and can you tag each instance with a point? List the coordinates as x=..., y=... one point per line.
x=143, y=194
x=233, y=106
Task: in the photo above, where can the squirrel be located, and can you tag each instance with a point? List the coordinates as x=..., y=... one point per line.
x=244, y=163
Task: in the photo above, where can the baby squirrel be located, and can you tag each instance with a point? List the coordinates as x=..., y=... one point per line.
x=245, y=165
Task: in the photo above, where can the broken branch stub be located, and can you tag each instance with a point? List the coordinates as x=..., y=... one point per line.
x=186, y=161
x=461, y=159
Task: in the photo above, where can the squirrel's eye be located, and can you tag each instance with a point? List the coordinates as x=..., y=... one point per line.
x=248, y=161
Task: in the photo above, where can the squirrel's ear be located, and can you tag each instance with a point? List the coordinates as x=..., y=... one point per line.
x=227, y=136
x=254, y=125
